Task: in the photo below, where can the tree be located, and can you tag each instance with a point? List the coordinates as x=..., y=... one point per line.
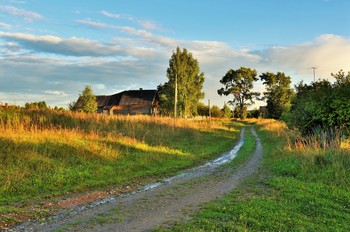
x=87, y=101
x=254, y=113
x=215, y=111
x=322, y=109
x=202, y=109
x=239, y=83
x=36, y=105
x=341, y=78
x=226, y=111
x=183, y=69
x=72, y=106
x=278, y=94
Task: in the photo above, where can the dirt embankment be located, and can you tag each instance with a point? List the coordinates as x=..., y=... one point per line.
x=162, y=204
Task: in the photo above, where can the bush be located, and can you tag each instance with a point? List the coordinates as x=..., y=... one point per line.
x=321, y=109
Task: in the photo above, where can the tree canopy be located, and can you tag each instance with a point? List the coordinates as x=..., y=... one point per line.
x=279, y=93
x=183, y=69
x=226, y=111
x=215, y=111
x=36, y=105
x=239, y=83
x=87, y=101
x=321, y=107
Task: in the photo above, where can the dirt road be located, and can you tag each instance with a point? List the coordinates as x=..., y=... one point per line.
x=159, y=204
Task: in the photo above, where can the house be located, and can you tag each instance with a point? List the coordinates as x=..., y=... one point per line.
x=263, y=111
x=130, y=102
x=4, y=105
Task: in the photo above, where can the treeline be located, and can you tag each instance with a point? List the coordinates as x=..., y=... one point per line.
x=320, y=111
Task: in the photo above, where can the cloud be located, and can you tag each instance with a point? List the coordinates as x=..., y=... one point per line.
x=110, y=15
x=5, y=25
x=58, y=68
x=95, y=25
x=58, y=82
x=151, y=39
x=26, y=15
x=55, y=92
x=148, y=25
x=329, y=53
x=145, y=24
x=69, y=47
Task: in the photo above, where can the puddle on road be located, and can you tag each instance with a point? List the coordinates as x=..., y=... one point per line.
x=201, y=170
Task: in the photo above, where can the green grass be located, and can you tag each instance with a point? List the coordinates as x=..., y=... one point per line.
x=246, y=150
x=301, y=191
x=46, y=154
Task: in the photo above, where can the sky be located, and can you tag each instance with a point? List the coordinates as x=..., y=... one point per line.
x=49, y=50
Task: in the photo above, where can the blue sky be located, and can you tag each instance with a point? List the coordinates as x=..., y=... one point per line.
x=49, y=50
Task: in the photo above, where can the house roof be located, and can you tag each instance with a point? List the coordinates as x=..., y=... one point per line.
x=102, y=100
x=125, y=98
x=137, y=97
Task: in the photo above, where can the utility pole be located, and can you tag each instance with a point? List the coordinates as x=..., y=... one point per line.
x=175, y=100
x=209, y=110
x=314, y=71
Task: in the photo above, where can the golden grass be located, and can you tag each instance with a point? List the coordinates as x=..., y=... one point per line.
x=44, y=152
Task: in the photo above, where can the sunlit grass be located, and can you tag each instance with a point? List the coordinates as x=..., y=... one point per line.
x=302, y=188
x=46, y=154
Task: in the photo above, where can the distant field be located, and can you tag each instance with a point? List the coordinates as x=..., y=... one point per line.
x=300, y=188
x=48, y=153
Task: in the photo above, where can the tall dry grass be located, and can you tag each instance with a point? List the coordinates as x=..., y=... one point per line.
x=47, y=153
x=306, y=158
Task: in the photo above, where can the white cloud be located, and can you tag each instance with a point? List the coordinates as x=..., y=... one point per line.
x=60, y=67
x=5, y=25
x=93, y=24
x=329, y=53
x=26, y=15
x=70, y=47
x=55, y=92
x=110, y=15
x=145, y=24
x=148, y=25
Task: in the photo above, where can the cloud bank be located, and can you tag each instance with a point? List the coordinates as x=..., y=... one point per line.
x=55, y=69
x=28, y=16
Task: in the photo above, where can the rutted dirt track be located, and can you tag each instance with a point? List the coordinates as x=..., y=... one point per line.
x=163, y=205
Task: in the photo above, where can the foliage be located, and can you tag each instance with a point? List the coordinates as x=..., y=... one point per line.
x=202, y=109
x=278, y=94
x=321, y=108
x=341, y=78
x=36, y=105
x=58, y=108
x=87, y=101
x=254, y=113
x=237, y=113
x=215, y=111
x=239, y=83
x=226, y=111
x=184, y=70
x=72, y=106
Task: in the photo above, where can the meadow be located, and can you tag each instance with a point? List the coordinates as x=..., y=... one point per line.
x=47, y=154
x=300, y=187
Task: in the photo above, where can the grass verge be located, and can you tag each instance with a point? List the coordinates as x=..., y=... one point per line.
x=302, y=190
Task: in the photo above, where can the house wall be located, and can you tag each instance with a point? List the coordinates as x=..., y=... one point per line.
x=131, y=110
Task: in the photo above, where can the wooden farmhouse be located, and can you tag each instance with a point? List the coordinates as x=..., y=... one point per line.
x=130, y=102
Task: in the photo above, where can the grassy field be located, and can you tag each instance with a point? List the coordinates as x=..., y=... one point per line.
x=299, y=188
x=46, y=153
